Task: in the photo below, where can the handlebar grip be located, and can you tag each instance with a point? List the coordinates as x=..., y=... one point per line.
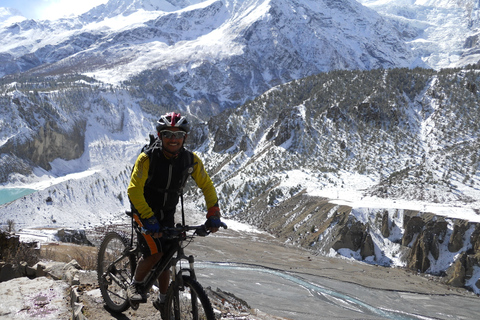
x=202, y=232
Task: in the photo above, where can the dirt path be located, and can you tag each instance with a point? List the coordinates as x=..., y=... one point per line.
x=262, y=250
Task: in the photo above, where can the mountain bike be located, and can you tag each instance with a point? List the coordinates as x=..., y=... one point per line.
x=117, y=261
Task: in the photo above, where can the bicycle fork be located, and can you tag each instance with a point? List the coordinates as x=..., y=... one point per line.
x=177, y=276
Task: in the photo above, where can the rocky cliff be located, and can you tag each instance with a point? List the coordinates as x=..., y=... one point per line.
x=420, y=241
x=47, y=144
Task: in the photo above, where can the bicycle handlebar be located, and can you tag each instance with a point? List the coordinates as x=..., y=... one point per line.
x=177, y=231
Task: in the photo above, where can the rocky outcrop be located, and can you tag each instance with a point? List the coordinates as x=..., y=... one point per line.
x=8, y=243
x=73, y=236
x=423, y=234
x=41, y=129
x=53, y=270
x=20, y=259
x=355, y=237
x=48, y=144
x=71, y=273
x=420, y=240
x=15, y=256
x=12, y=266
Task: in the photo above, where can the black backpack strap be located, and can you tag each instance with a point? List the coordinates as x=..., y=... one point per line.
x=183, y=211
x=185, y=174
x=152, y=152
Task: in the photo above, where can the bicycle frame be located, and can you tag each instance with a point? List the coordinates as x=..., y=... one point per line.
x=184, y=295
x=164, y=263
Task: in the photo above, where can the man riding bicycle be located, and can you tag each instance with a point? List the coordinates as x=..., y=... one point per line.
x=154, y=191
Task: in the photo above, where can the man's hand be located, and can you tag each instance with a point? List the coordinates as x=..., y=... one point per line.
x=213, y=223
x=213, y=219
x=152, y=226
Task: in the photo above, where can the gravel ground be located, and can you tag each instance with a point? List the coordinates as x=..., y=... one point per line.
x=261, y=250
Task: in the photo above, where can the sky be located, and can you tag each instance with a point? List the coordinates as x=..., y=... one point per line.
x=50, y=9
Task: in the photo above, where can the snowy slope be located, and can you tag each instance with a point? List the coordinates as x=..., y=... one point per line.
x=438, y=31
x=259, y=42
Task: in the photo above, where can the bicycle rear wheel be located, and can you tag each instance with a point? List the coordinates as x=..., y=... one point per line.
x=115, y=269
x=190, y=303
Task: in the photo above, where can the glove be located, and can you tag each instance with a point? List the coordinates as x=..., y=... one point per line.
x=213, y=218
x=213, y=222
x=151, y=224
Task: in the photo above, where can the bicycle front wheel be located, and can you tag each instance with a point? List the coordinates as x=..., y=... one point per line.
x=190, y=303
x=115, y=269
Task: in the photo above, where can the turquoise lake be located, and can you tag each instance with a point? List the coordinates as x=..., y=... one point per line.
x=10, y=194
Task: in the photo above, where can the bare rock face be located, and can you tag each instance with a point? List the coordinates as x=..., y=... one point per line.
x=48, y=144
x=385, y=225
x=456, y=273
x=73, y=236
x=51, y=134
x=422, y=237
x=475, y=238
x=354, y=236
x=368, y=247
x=351, y=236
x=457, y=238
x=413, y=226
x=461, y=271
x=427, y=241
x=472, y=261
x=52, y=143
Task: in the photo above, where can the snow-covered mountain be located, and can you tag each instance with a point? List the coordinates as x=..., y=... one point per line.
x=212, y=54
x=382, y=142
x=327, y=35
x=444, y=33
x=116, y=8
x=198, y=56
x=80, y=95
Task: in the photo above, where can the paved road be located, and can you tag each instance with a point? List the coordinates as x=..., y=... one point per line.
x=291, y=283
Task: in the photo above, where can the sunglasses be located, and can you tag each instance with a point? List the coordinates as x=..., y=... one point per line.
x=173, y=134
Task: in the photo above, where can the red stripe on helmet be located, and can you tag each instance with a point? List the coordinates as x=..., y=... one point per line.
x=173, y=117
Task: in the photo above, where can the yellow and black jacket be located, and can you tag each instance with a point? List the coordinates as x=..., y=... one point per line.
x=157, y=182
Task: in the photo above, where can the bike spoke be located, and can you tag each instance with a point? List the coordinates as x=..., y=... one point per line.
x=115, y=269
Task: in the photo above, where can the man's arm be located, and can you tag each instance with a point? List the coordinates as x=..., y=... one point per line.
x=204, y=182
x=137, y=184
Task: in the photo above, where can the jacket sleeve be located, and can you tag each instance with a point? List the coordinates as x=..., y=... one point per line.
x=137, y=184
x=204, y=182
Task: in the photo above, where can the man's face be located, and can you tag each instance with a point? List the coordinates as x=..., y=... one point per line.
x=171, y=143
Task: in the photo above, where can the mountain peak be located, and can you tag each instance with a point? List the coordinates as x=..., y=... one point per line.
x=126, y=7
x=215, y=54
x=9, y=16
